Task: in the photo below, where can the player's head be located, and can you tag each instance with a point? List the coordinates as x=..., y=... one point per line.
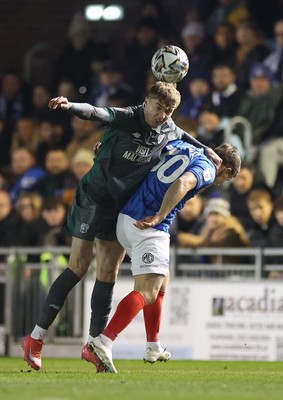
x=231, y=162
x=161, y=100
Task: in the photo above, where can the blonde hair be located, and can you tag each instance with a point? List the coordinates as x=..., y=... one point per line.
x=166, y=93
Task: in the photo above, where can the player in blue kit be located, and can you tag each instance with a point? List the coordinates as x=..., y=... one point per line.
x=143, y=230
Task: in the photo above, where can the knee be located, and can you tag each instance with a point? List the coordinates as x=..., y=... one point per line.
x=79, y=267
x=109, y=275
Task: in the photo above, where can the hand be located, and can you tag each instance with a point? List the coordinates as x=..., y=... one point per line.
x=59, y=102
x=213, y=157
x=148, y=222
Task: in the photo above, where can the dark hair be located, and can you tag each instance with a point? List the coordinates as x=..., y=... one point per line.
x=230, y=157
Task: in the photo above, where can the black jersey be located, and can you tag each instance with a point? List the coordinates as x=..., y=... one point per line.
x=128, y=151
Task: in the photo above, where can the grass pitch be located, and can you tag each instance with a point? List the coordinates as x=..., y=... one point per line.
x=68, y=379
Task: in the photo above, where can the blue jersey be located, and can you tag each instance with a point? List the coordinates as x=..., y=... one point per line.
x=177, y=158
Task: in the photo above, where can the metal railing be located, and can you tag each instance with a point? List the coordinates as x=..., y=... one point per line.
x=27, y=273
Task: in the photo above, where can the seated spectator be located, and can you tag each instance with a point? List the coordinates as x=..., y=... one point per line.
x=239, y=190
x=58, y=176
x=225, y=96
x=25, y=135
x=274, y=61
x=188, y=221
x=15, y=102
x=260, y=206
x=54, y=212
x=251, y=49
x=40, y=98
x=29, y=222
x=225, y=45
x=85, y=133
x=220, y=229
x=74, y=62
x=7, y=220
x=52, y=135
x=25, y=172
x=111, y=79
x=81, y=163
x=198, y=48
x=196, y=96
x=212, y=128
x=231, y=11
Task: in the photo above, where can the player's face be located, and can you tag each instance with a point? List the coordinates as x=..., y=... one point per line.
x=224, y=174
x=155, y=112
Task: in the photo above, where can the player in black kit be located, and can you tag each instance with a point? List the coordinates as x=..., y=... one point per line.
x=131, y=146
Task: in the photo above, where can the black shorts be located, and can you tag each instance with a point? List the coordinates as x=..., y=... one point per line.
x=86, y=220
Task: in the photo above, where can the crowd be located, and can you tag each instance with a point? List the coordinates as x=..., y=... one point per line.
x=235, y=71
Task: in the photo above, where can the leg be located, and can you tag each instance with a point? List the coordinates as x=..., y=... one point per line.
x=80, y=257
x=145, y=292
x=152, y=318
x=109, y=255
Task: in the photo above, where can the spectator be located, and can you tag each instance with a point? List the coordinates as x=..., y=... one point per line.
x=211, y=130
x=25, y=172
x=54, y=212
x=260, y=102
x=260, y=206
x=140, y=51
x=40, y=97
x=25, y=135
x=75, y=60
x=225, y=96
x=197, y=93
x=29, y=223
x=220, y=229
x=225, y=45
x=14, y=103
x=274, y=61
x=188, y=221
x=251, y=49
x=199, y=51
x=52, y=135
x=58, y=177
x=7, y=220
x=238, y=192
x=111, y=79
x=85, y=134
x=232, y=11
x=81, y=163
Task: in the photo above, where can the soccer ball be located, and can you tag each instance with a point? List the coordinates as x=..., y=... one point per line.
x=170, y=64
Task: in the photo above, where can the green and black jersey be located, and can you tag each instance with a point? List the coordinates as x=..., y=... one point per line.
x=128, y=151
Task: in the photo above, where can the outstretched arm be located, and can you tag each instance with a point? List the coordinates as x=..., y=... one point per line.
x=208, y=151
x=173, y=196
x=81, y=110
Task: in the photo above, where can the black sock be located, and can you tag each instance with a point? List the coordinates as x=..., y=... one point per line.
x=101, y=300
x=56, y=297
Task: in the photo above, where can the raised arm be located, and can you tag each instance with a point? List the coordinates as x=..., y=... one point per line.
x=173, y=196
x=81, y=110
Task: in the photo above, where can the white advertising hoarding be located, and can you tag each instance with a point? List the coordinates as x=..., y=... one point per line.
x=208, y=320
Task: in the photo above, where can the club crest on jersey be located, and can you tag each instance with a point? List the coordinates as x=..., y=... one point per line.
x=136, y=134
x=207, y=175
x=84, y=228
x=148, y=258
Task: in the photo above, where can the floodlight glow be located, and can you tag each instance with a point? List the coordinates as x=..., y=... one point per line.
x=113, y=13
x=94, y=12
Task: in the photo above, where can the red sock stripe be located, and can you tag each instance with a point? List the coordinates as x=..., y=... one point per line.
x=152, y=318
